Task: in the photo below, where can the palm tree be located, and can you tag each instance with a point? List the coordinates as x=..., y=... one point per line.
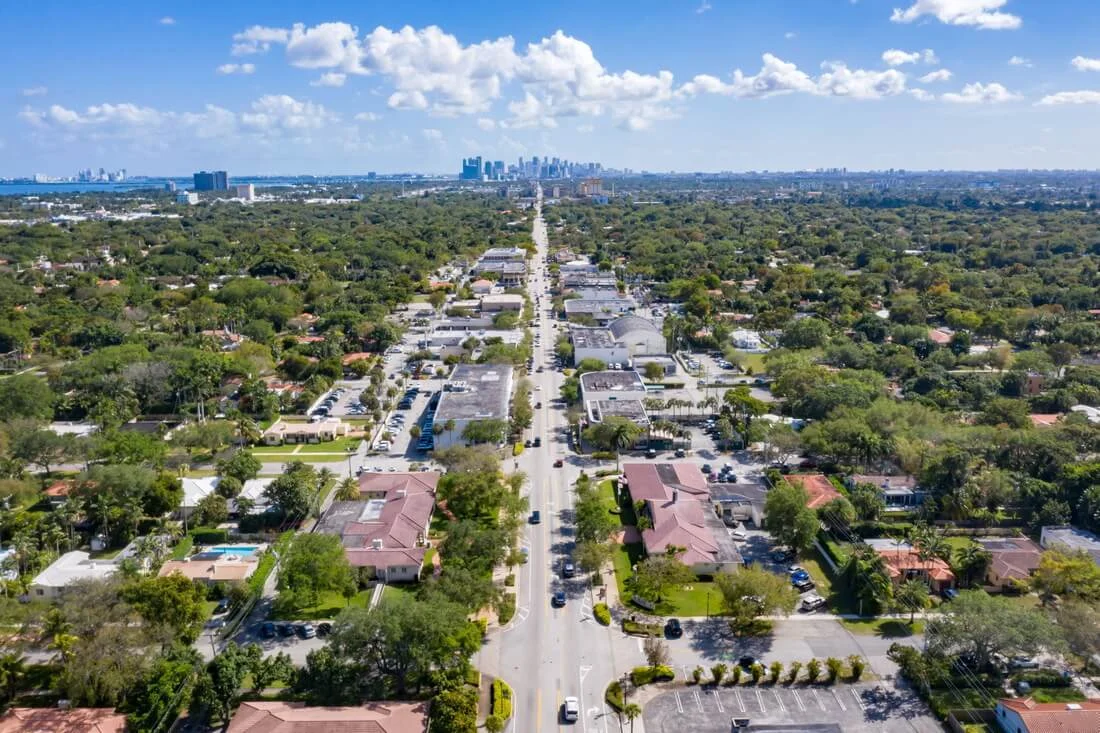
x=973, y=561
x=632, y=711
x=63, y=644
x=248, y=431
x=13, y=668
x=864, y=572
x=68, y=513
x=348, y=490
x=54, y=623
x=622, y=434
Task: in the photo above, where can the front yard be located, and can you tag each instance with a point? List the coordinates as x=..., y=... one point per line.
x=695, y=599
x=329, y=606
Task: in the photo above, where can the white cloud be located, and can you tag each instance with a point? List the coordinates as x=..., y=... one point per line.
x=486, y=123
x=982, y=14
x=895, y=57
x=1020, y=61
x=35, y=91
x=368, y=117
x=921, y=95
x=790, y=35
x=782, y=77
x=1079, y=97
x=703, y=7
x=330, y=79
x=236, y=68
x=257, y=39
x=935, y=76
x=979, y=93
x=168, y=20
x=1082, y=63
x=432, y=134
x=281, y=111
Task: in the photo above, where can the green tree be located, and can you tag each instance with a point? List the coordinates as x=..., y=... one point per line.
x=220, y=686
x=653, y=372
x=172, y=604
x=293, y=491
x=313, y=564
x=242, y=466
x=790, y=521
x=485, y=431
x=454, y=710
x=156, y=699
x=348, y=490
x=614, y=434
x=1067, y=573
x=472, y=495
x=972, y=562
x=212, y=510
x=867, y=501
x=752, y=591
x=632, y=712
x=26, y=396
x=864, y=574
x=658, y=573
x=980, y=625
x=593, y=521
x=911, y=596
x=13, y=671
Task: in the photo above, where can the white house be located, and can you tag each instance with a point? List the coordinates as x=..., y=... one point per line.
x=745, y=339
x=67, y=569
x=194, y=491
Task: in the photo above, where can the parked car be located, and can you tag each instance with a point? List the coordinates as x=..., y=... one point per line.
x=781, y=555
x=812, y=602
x=673, y=630
x=798, y=574
x=737, y=535
x=558, y=599
x=527, y=443
x=324, y=628
x=651, y=453
x=536, y=517
x=267, y=630
x=222, y=607
x=559, y=463
x=307, y=631
x=680, y=453
x=568, y=569
x=747, y=661
x=949, y=594
x=286, y=630
x=537, y=442
x=707, y=468
x=804, y=585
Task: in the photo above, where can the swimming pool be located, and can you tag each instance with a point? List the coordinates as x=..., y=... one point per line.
x=231, y=550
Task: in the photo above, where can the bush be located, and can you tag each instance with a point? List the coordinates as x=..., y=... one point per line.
x=602, y=613
x=510, y=580
x=718, y=673
x=633, y=627
x=604, y=472
x=697, y=674
x=756, y=671
x=735, y=675
x=645, y=675
x=857, y=665
x=775, y=669
x=501, y=699
x=1041, y=678
x=813, y=670
x=614, y=696
x=483, y=624
x=209, y=535
x=506, y=608
x=792, y=674
x=833, y=665
x=517, y=449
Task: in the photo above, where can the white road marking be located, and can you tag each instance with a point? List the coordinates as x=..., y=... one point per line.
x=837, y=698
x=760, y=699
x=718, y=699
x=859, y=700
x=798, y=699
x=820, y=702
x=584, y=672
x=687, y=675
x=698, y=701
x=740, y=701
x=679, y=703
x=778, y=699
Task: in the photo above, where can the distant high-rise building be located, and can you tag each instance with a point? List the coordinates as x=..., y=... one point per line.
x=246, y=191
x=488, y=170
x=170, y=187
x=212, y=181
x=471, y=169
x=188, y=198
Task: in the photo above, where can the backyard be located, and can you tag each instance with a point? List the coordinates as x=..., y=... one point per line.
x=328, y=606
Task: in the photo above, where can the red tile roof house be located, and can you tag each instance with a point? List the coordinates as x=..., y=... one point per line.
x=903, y=563
x=1014, y=560
x=1028, y=716
x=677, y=501
x=819, y=488
x=57, y=720
x=295, y=717
x=386, y=530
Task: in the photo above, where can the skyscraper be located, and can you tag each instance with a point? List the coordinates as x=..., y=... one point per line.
x=212, y=181
x=471, y=169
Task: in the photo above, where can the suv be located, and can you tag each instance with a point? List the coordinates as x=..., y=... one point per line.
x=571, y=710
x=568, y=569
x=812, y=602
x=673, y=630
x=267, y=631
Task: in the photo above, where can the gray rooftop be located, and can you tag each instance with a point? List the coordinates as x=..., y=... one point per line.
x=502, y=267
x=342, y=513
x=504, y=253
x=609, y=305
x=633, y=410
x=727, y=548
x=476, y=392
x=626, y=380
x=746, y=493
x=1072, y=539
x=592, y=338
x=624, y=325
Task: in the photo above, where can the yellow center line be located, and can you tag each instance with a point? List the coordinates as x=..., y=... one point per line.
x=538, y=710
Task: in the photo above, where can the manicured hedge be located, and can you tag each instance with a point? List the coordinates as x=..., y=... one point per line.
x=602, y=613
x=501, y=699
x=644, y=675
x=506, y=609
x=209, y=535
x=633, y=627
x=614, y=696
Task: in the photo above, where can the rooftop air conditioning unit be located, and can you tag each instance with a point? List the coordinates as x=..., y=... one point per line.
x=376, y=544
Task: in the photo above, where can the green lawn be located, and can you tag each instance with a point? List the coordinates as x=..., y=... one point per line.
x=751, y=361
x=691, y=600
x=958, y=543
x=183, y=547
x=1056, y=694
x=340, y=445
x=208, y=608
x=391, y=592
x=626, y=514
x=330, y=605
x=887, y=628
x=266, y=450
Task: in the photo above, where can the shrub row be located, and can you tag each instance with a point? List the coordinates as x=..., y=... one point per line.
x=644, y=675
x=209, y=535
x=506, y=609
x=501, y=699
x=634, y=627
x=614, y=696
x=602, y=613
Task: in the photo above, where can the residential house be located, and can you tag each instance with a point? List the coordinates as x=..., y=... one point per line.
x=386, y=531
x=62, y=720
x=940, y=336
x=1014, y=560
x=67, y=569
x=899, y=492
x=214, y=567
x=1028, y=716
x=904, y=563
x=1070, y=539
x=194, y=491
x=226, y=339
x=817, y=486
x=1092, y=414
x=747, y=340
x=322, y=431
x=677, y=501
x=58, y=492
x=295, y=717
x=482, y=286
x=1044, y=420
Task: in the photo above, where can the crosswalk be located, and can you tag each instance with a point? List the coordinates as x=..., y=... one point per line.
x=765, y=700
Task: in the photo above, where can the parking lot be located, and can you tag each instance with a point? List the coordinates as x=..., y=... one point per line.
x=841, y=707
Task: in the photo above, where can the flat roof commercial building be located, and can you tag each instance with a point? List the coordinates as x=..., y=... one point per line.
x=297, y=717
x=600, y=311
x=639, y=335
x=597, y=343
x=632, y=410
x=612, y=385
x=1067, y=538
x=474, y=392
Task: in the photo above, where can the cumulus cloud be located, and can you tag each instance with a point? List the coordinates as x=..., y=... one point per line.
x=978, y=93
x=368, y=117
x=35, y=91
x=935, y=76
x=330, y=79
x=236, y=69
x=703, y=7
x=790, y=35
x=432, y=134
x=783, y=77
x=1082, y=63
x=168, y=20
x=257, y=39
x=1020, y=61
x=486, y=123
x=982, y=14
x=896, y=57
x=281, y=111
x=921, y=95
x=1079, y=97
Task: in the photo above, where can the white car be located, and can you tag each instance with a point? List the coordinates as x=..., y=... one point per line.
x=571, y=710
x=382, y=445
x=737, y=535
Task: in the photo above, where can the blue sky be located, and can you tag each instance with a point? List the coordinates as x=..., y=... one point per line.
x=345, y=87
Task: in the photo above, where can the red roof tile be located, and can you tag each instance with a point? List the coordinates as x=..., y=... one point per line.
x=819, y=488
x=1056, y=717
x=56, y=720
x=295, y=717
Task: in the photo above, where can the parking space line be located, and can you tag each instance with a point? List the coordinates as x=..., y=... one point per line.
x=679, y=703
x=718, y=699
x=740, y=702
x=820, y=702
x=779, y=700
x=698, y=700
x=859, y=700
x=760, y=699
x=837, y=698
x=687, y=675
x=798, y=700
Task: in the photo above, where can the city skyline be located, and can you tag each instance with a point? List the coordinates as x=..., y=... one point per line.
x=934, y=84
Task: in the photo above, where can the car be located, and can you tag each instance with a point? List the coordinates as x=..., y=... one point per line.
x=222, y=607
x=558, y=599
x=737, y=535
x=798, y=574
x=949, y=594
x=286, y=629
x=568, y=569
x=267, y=630
x=571, y=709
x=812, y=602
x=680, y=453
x=747, y=661
x=707, y=469
x=781, y=555
x=307, y=631
x=324, y=628
x=538, y=405
x=804, y=585
x=382, y=445
x=651, y=453
x=527, y=443
x=559, y=463
x=536, y=517
x=1022, y=662
x=673, y=630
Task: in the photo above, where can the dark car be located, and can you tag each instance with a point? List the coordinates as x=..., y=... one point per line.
x=286, y=629
x=651, y=453
x=680, y=453
x=537, y=442
x=949, y=594
x=707, y=468
x=324, y=628
x=804, y=585
x=558, y=599
x=535, y=517
x=538, y=405
x=568, y=569
x=267, y=630
x=559, y=463
x=222, y=607
x=747, y=661
x=527, y=444
x=781, y=555
x=673, y=630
